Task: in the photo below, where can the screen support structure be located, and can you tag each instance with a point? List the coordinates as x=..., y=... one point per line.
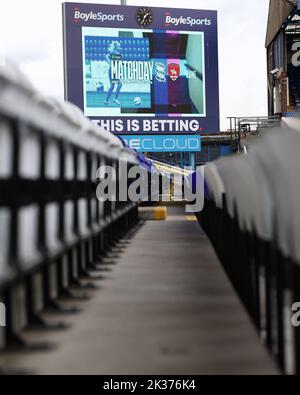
x=193, y=161
x=181, y=160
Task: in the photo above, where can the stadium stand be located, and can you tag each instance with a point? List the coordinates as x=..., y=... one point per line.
x=57, y=239
x=251, y=215
x=53, y=230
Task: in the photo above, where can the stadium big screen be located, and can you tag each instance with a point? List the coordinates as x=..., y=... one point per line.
x=143, y=71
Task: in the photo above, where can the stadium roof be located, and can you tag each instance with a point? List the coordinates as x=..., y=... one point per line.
x=279, y=10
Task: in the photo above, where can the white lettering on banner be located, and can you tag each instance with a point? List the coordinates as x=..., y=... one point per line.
x=78, y=15
x=171, y=125
x=166, y=144
x=129, y=70
x=135, y=125
x=187, y=21
x=149, y=125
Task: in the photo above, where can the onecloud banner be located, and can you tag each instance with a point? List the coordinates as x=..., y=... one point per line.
x=143, y=70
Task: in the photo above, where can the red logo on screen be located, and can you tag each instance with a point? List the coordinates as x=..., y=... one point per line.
x=174, y=71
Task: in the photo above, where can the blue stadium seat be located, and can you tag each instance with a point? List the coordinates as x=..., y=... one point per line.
x=52, y=226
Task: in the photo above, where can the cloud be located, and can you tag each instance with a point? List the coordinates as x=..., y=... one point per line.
x=34, y=41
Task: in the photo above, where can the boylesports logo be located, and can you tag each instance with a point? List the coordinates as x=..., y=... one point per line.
x=189, y=21
x=95, y=16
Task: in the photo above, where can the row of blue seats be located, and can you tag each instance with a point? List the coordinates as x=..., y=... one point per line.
x=53, y=229
x=252, y=216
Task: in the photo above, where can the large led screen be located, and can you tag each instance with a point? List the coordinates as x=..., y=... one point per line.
x=136, y=72
x=143, y=70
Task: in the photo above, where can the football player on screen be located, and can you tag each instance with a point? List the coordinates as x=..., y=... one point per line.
x=114, y=53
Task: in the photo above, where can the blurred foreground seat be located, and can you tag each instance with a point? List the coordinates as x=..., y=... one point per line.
x=252, y=216
x=53, y=229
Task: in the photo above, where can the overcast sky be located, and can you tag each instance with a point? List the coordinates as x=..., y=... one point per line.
x=31, y=35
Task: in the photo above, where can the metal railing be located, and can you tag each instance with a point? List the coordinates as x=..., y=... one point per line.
x=54, y=232
x=251, y=214
x=241, y=127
